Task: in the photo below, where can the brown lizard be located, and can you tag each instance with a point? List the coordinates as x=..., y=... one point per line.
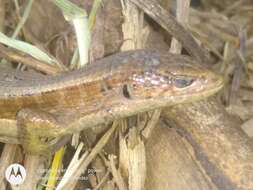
x=117, y=86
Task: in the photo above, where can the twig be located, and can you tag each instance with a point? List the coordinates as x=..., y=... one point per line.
x=103, y=180
x=33, y=165
x=162, y=17
x=7, y=158
x=238, y=69
x=182, y=17
x=83, y=163
x=117, y=177
x=152, y=123
x=13, y=55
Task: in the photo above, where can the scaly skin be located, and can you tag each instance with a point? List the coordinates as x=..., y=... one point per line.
x=117, y=86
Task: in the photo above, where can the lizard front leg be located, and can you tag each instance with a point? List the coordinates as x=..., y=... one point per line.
x=38, y=132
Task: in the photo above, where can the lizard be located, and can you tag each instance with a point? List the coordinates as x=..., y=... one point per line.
x=49, y=109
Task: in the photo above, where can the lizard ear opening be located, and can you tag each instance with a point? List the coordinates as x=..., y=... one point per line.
x=125, y=91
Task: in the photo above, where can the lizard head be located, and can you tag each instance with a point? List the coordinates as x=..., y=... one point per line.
x=175, y=81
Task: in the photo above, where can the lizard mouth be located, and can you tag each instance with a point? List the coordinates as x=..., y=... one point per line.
x=216, y=83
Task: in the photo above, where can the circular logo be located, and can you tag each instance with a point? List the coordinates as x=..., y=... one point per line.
x=15, y=174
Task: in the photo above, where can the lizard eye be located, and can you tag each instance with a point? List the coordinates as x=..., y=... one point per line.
x=182, y=83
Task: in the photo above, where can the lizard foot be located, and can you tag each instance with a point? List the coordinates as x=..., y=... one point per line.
x=38, y=132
